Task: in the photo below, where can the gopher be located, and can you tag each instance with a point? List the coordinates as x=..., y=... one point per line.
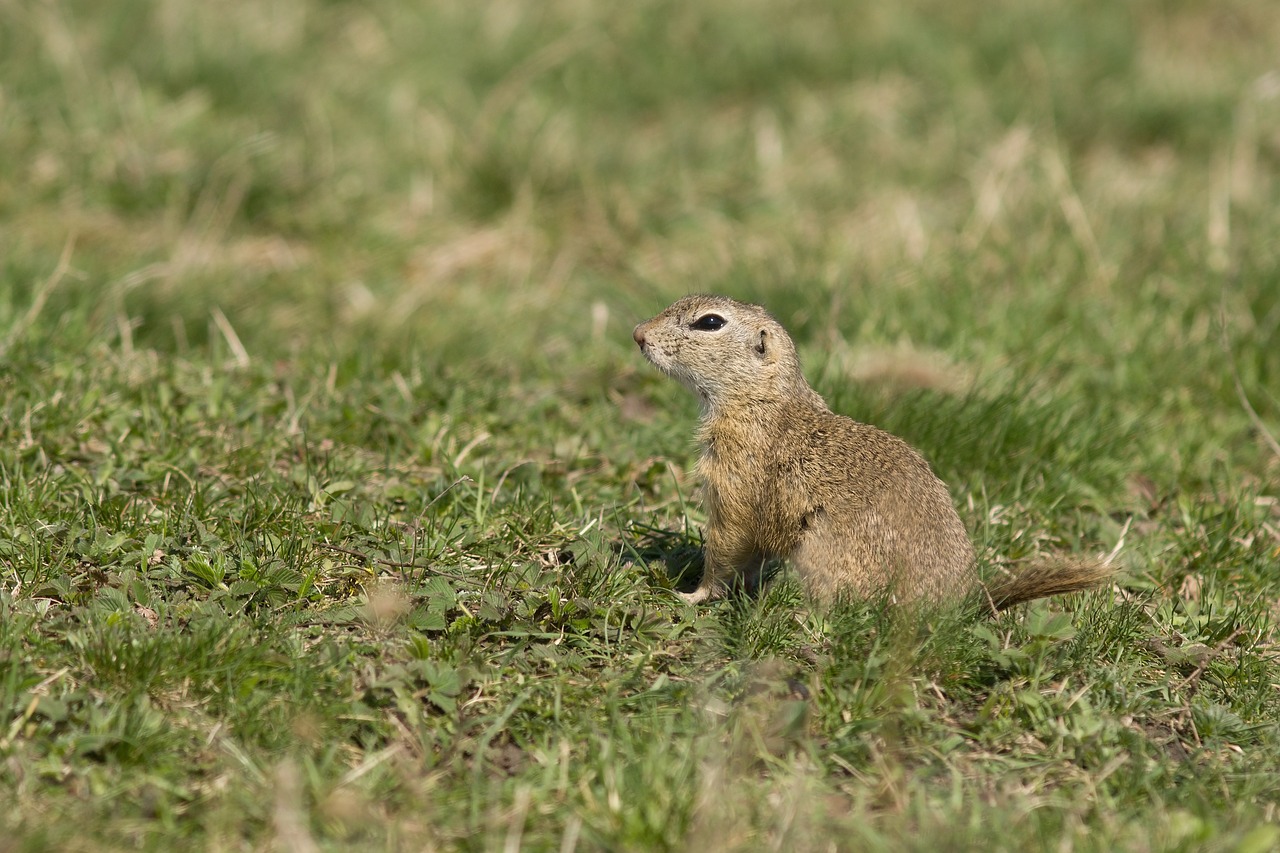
x=856, y=511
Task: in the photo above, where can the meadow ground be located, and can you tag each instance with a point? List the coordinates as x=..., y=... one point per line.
x=338, y=511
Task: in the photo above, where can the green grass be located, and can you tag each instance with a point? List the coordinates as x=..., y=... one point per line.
x=338, y=511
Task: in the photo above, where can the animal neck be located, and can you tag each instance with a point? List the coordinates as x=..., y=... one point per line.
x=763, y=410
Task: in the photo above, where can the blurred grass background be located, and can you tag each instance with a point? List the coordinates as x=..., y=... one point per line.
x=279, y=277
x=320, y=170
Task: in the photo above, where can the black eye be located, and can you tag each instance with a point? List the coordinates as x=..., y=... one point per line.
x=709, y=323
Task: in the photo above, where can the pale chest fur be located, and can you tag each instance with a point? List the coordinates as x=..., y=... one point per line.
x=741, y=486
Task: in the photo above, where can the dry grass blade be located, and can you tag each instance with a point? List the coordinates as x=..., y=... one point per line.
x=40, y=297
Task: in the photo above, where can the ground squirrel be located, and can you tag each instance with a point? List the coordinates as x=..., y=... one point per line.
x=856, y=511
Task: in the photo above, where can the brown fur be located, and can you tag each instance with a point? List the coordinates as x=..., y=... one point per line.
x=854, y=509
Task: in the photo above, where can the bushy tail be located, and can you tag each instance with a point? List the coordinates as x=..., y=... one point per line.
x=1046, y=577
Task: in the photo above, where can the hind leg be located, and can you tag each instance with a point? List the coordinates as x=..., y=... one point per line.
x=831, y=565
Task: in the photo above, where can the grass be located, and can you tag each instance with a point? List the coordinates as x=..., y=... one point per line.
x=337, y=510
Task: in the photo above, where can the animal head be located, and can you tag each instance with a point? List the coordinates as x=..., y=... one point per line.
x=722, y=350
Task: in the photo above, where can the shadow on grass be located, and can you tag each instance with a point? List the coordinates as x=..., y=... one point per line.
x=673, y=555
x=677, y=557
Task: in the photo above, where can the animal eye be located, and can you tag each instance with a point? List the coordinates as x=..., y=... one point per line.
x=709, y=323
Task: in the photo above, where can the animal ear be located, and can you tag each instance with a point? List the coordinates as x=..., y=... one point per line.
x=760, y=344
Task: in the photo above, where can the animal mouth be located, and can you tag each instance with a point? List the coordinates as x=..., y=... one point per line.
x=651, y=355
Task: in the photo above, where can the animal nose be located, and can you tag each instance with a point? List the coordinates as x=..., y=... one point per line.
x=638, y=336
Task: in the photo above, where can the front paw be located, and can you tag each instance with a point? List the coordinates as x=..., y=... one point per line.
x=701, y=594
